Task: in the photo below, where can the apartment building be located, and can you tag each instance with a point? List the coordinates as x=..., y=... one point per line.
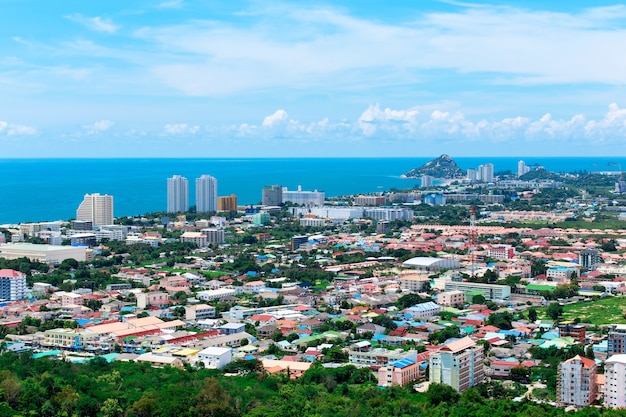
x=459, y=364
x=577, y=382
x=615, y=382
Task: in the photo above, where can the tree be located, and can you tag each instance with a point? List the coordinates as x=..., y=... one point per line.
x=554, y=311
x=479, y=299
x=532, y=315
x=441, y=393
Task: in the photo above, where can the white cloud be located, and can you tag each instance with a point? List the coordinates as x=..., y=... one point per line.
x=173, y=4
x=278, y=117
x=10, y=129
x=180, y=129
x=98, y=24
x=98, y=127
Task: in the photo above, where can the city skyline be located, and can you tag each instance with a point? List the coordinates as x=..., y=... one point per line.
x=249, y=79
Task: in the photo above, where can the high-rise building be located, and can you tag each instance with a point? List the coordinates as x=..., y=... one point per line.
x=459, y=363
x=206, y=194
x=472, y=175
x=12, y=285
x=177, y=194
x=228, y=203
x=576, y=383
x=615, y=382
x=485, y=173
x=589, y=258
x=426, y=181
x=96, y=208
x=522, y=168
x=272, y=195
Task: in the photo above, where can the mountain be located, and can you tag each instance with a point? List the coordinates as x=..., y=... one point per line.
x=442, y=167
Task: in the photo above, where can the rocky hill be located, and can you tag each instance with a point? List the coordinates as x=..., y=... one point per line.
x=442, y=167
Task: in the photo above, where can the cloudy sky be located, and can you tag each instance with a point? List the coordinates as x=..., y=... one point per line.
x=338, y=78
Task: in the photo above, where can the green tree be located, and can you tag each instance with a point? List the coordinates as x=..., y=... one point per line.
x=554, y=311
x=532, y=315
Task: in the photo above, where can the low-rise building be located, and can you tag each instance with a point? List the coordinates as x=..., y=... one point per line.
x=451, y=298
x=215, y=357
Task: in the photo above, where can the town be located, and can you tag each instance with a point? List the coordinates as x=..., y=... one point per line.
x=492, y=281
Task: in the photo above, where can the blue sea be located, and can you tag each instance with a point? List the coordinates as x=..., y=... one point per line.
x=51, y=189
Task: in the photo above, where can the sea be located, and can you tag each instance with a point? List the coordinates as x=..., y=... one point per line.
x=33, y=190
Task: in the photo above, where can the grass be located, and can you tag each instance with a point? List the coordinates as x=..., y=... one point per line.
x=609, y=310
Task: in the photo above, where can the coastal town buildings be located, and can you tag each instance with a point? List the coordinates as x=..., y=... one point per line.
x=12, y=285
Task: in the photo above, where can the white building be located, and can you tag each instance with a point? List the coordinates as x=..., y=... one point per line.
x=485, y=173
x=216, y=294
x=615, y=382
x=522, y=168
x=215, y=357
x=303, y=198
x=199, y=312
x=577, y=382
x=206, y=194
x=12, y=285
x=96, y=208
x=50, y=254
x=177, y=194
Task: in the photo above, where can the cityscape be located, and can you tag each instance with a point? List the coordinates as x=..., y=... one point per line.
x=471, y=280
x=285, y=209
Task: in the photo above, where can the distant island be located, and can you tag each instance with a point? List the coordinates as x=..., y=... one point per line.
x=442, y=167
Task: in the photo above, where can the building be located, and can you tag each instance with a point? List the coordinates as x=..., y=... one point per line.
x=199, y=312
x=501, y=252
x=96, y=208
x=213, y=235
x=297, y=241
x=422, y=310
x=303, y=198
x=401, y=372
x=206, y=194
x=215, y=357
x=154, y=298
x=522, y=168
x=472, y=175
x=485, y=173
x=617, y=339
x=615, y=381
x=451, y=298
x=12, y=285
x=489, y=291
x=228, y=203
x=435, y=200
x=198, y=238
x=49, y=254
x=560, y=273
x=362, y=354
x=589, y=258
x=177, y=194
x=415, y=282
x=272, y=195
x=576, y=331
x=431, y=264
x=261, y=219
x=459, y=364
x=576, y=383
x=369, y=200
x=426, y=181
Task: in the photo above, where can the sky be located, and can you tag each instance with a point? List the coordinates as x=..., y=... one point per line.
x=267, y=78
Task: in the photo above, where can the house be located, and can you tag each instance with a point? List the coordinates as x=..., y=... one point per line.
x=215, y=357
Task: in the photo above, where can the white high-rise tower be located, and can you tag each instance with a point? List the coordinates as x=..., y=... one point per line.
x=522, y=168
x=177, y=194
x=96, y=208
x=206, y=194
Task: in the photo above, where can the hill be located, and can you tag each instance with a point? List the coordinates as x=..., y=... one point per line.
x=441, y=167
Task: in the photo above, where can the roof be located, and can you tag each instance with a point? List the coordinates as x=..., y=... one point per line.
x=403, y=363
x=459, y=345
x=422, y=261
x=587, y=363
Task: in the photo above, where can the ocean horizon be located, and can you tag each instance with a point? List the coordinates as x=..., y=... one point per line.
x=51, y=189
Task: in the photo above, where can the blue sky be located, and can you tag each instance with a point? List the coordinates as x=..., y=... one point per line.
x=343, y=78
